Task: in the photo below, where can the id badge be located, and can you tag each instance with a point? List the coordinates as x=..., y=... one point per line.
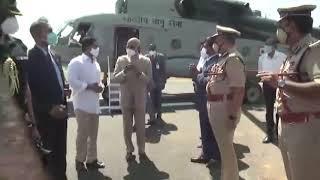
x=157, y=66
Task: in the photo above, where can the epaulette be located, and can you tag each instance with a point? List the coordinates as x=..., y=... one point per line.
x=232, y=55
x=236, y=55
x=315, y=45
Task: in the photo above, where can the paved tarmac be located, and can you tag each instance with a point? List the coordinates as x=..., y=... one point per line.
x=172, y=142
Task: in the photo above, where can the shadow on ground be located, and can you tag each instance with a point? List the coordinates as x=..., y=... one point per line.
x=241, y=150
x=171, y=103
x=253, y=118
x=145, y=170
x=154, y=132
x=92, y=175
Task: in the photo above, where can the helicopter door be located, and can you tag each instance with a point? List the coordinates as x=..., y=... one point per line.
x=122, y=35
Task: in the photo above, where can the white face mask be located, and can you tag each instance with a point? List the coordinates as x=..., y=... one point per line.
x=10, y=25
x=130, y=52
x=267, y=49
x=152, y=53
x=282, y=36
x=203, y=53
x=95, y=52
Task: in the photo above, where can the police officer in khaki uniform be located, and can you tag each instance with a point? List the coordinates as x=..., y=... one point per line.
x=298, y=96
x=225, y=94
x=134, y=73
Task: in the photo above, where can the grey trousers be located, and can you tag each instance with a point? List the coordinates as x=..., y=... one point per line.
x=138, y=114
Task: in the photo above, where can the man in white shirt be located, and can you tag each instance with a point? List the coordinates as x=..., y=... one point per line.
x=84, y=79
x=203, y=57
x=270, y=61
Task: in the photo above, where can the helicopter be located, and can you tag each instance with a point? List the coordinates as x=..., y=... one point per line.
x=177, y=27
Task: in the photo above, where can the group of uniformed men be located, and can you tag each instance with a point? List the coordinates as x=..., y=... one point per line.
x=297, y=83
x=220, y=86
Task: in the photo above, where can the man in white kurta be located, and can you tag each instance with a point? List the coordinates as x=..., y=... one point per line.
x=84, y=79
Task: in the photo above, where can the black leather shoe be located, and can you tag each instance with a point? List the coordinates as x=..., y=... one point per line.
x=268, y=139
x=80, y=166
x=150, y=122
x=143, y=157
x=200, y=160
x=212, y=162
x=95, y=165
x=130, y=157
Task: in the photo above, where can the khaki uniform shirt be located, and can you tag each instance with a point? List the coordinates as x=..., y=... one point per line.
x=305, y=59
x=133, y=88
x=233, y=73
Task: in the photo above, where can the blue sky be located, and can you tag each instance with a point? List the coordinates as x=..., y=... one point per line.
x=58, y=11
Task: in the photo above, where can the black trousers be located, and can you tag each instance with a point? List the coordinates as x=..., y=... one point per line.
x=210, y=149
x=156, y=94
x=54, y=137
x=269, y=98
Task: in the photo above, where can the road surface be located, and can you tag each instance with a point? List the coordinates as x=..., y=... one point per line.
x=172, y=142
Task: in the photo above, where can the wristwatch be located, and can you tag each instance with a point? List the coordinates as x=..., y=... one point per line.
x=281, y=83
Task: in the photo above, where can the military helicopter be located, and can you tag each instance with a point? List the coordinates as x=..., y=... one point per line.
x=177, y=27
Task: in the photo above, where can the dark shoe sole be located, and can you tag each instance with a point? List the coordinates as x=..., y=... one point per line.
x=80, y=168
x=130, y=158
x=143, y=157
x=199, y=161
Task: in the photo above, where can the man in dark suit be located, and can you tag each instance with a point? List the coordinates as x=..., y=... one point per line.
x=46, y=83
x=210, y=150
x=158, y=61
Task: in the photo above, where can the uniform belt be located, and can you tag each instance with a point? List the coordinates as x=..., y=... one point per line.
x=218, y=97
x=292, y=118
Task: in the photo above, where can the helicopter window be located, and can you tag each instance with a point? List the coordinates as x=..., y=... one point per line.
x=176, y=44
x=66, y=31
x=185, y=8
x=81, y=32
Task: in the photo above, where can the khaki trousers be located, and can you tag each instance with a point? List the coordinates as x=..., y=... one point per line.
x=218, y=116
x=87, y=133
x=139, y=118
x=300, y=148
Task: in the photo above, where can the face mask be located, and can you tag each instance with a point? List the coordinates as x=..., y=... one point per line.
x=215, y=47
x=282, y=36
x=152, y=53
x=130, y=52
x=95, y=52
x=10, y=25
x=203, y=53
x=267, y=49
x=52, y=39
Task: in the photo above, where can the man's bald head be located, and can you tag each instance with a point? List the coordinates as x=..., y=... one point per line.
x=134, y=44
